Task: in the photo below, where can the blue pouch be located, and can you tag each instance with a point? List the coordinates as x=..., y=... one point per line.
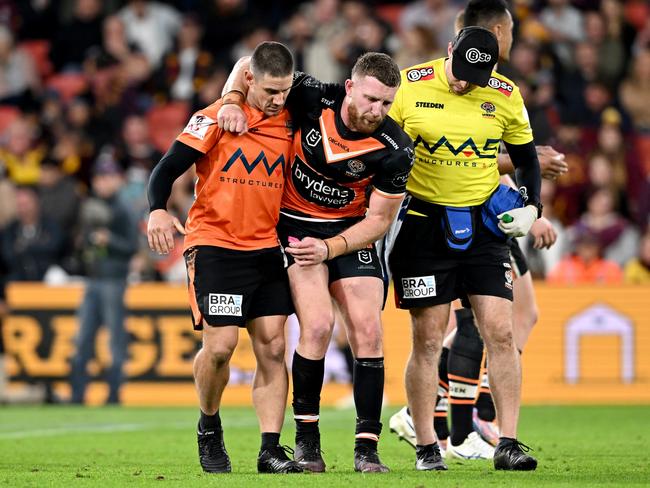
x=458, y=223
x=504, y=198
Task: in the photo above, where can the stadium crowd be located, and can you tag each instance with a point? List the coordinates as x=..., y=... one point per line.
x=93, y=87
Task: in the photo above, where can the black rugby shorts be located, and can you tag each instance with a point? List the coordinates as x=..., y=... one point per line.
x=230, y=287
x=363, y=262
x=426, y=272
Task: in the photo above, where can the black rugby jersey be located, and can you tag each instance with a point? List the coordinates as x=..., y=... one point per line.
x=333, y=167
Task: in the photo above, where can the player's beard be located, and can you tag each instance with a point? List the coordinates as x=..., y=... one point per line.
x=362, y=123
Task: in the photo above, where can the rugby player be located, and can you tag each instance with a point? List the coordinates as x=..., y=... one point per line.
x=344, y=187
x=236, y=269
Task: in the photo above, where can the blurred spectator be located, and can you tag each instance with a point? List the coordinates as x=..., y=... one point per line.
x=109, y=240
x=210, y=90
x=59, y=195
x=187, y=66
x=364, y=33
x=565, y=26
x=234, y=18
x=416, y=46
x=138, y=156
x=602, y=175
x=572, y=84
x=38, y=20
x=541, y=261
x=617, y=26
x=7, y=198
x=19, y=79
x=117, y=70
x=585, y=266
x=612, y=54
x=21, y=153
x=617, y=238
x=246, y=45
x=31, y=243
x=328, y=25
x=571, y=185
x=637, y=270
x=436, y=15
x=297, y=34
x=526, y=63
x=635, y=91
x=152, y=26
x=77, y=36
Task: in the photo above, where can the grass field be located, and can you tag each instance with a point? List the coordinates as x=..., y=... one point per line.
x=76, y=446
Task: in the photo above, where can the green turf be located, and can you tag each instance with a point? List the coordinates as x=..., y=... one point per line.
x=75, y=446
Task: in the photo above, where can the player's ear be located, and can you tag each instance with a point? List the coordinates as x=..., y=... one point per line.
x=450, y=46
x=248, y=76
x=348, y=87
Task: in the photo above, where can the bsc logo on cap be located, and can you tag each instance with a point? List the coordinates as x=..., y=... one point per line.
x=473, y=55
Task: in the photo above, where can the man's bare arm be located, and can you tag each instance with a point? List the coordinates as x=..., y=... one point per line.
x=231, y=117
x=551, y=163
x=381, y=212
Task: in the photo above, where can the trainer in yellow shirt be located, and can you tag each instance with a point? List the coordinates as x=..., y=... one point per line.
x=453, y=240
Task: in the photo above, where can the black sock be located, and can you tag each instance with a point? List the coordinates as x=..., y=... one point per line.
x=349, y=359
x=484, y=403
x=210, y=422
x=465, y=356
x=270, y=439
x=442, y=403
x=368, y=387
x=307, y=377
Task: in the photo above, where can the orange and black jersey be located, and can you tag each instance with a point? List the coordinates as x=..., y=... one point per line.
x=333, y=167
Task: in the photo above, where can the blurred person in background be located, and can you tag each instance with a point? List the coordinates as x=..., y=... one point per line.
x=637, y=270
x=152, y=27
x=19, y=80
x=187, y=65
x=416, y=45
x=564, y=24
x=77, y=36
x=60, y=202
x=32, y=243
x=617, y=237
x=585, y=265
x=21, y=152
x=635, y=91
x=436, y=15
x=108, y=241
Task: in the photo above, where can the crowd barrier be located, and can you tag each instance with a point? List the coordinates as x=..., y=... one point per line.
x=591, y=345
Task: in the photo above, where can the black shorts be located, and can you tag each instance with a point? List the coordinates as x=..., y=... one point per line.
x=426, y=272
x=229, y=287
x=364, y=262
x=517, y=258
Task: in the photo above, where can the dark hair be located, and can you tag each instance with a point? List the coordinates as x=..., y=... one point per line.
x=380, y=66
x=484, y=13
x=271, y=58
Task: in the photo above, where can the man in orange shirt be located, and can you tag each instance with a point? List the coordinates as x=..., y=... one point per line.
x=586, y=265
x=236, y=267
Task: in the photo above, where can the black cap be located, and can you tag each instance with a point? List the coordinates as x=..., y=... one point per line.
x=474, y=54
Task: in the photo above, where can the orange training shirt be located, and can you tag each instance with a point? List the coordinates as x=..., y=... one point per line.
x=240, y=179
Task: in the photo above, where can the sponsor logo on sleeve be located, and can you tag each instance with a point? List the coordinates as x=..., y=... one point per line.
x=421, y=74
x=419, y=287
x=502, y=86
x=224, y=304
x=198, y=126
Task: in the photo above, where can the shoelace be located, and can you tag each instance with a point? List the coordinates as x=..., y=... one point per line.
x=312, y=446
x=520, y=446
x=431, y=452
